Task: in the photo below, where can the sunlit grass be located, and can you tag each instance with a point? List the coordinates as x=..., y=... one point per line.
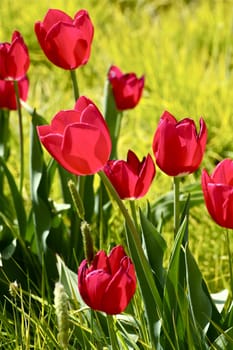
x=185, y=51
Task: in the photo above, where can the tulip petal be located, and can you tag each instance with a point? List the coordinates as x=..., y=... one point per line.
x=121, y=288
x=54, y=16
x=67, y=46
x=145, y=178
x=84, y=148
x=114, y=258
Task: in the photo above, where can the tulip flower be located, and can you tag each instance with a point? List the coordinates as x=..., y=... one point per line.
x=78, y=139
x=131, y=178
x=127, y=88
x=65, y=41
x=109, y=282
x=14, y=58
x=7, y=93
x=177, y=146
x=218, y=193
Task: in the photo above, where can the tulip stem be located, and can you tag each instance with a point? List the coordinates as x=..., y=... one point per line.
x=230, y=260
x=16, y=87
x=112, y=332
x=75, y=84
x=133, y=212
x=115, y=137
x=176, y=184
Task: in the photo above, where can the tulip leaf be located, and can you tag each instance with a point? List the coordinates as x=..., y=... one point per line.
x=39, y=192
x=224, y=341
x=174, y=304
x=163, y=206
x=154, y=242
x=149, y=290
x=17, y=200
x=112, y=117
x=200, y=305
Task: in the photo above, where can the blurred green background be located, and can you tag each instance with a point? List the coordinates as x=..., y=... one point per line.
x=184, y=49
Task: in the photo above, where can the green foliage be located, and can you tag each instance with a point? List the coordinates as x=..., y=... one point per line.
x=184, y=48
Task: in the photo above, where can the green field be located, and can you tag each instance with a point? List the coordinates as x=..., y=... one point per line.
x=184, y=49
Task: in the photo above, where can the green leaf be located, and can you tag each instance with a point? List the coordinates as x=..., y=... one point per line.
x=163, y=206
x=149, y=290
x=199, y=301
x=112, y=116
x=17, y=200
x=69, y=279
x=153, y=242
x=224, y=341
x=174, y=302
x=39, y=192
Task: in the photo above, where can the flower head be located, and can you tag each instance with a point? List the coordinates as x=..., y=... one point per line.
x=65, y=41
x=218, y=193
x=78, y=139
x=109, y=283
x=177, y=146
x=131, y=178
x=14, y=58
x=127, y=88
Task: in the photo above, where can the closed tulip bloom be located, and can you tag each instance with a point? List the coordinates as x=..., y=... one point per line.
x=65, y=41
x=7, y=93
x=131, y=178
x=218, y=193
x=14, y=58
x=127, y=88
x=78, y=139
x=177, y=146
x=109, y=283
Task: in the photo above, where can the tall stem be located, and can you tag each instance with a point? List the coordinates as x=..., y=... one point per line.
x=176, y=184
x=75, y=84
x=112, y=332
x=229, y=260
x=16, y=87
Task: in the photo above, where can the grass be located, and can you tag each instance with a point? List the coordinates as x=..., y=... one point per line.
x=184, y=48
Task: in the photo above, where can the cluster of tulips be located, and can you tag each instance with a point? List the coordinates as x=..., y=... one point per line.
x=79, y=140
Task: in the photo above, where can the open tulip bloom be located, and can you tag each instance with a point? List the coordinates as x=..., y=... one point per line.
x=14, y=58
x=177, y=146
x=65, y=41
x=131, y=178
x=109, y=283
x=78, y=139
x=127, y=88
x=218, y=193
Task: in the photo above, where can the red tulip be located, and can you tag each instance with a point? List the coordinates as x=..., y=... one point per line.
x=14, y=58
x=78, y=139
x=109, y=283
x=131, y=178
x=218, y=193
x=177, y=146
x=65, y=41
x=127, y=88
x=7, y=93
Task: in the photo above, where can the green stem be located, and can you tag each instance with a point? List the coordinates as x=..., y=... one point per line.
x=75, y=84
x=176, y=184
x=229, y=260
x=115, y=137
x=134, y=212
x=16, y=87
x=112, y=332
